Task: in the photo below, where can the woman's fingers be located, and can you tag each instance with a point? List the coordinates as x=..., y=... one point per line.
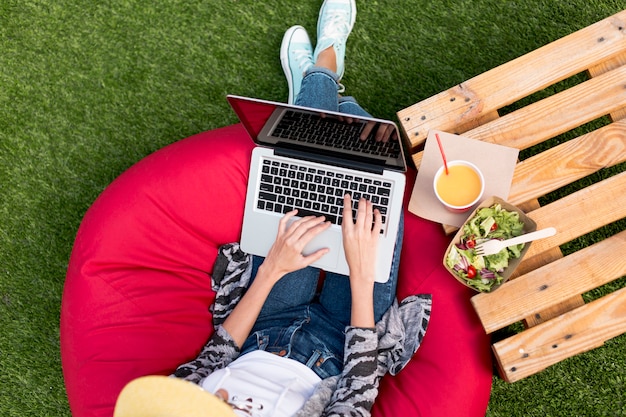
x=367, y=130
x=378, y=222
x=360, y=239
x=368, y=218
x=300, y=232
x=385, y=133
x=282, y=224
x=285, y=255
x=303, y=229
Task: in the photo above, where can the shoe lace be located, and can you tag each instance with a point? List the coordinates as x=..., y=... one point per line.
x=303, y=58
x=336, y=25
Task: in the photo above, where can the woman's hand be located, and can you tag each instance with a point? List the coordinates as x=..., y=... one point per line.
x=360, y=243
x=285, y=254
x=384, y=132
x=360, y=238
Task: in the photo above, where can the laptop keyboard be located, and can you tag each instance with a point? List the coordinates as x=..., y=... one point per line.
x=287, y=186
x=326, y=131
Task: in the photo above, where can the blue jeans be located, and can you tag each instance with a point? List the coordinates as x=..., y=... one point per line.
x=320, y=90
x=298, y=323
x=295, y=321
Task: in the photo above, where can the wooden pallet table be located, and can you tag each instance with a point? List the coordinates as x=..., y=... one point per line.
x=546, y=293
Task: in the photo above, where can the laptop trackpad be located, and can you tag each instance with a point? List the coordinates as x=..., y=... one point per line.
x=331, y=239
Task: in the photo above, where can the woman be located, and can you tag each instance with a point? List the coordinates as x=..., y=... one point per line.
x=281, y=348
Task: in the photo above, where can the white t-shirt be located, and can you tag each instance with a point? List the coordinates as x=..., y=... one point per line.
x=265, y=384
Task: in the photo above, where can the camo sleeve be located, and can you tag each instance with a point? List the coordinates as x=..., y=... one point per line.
x=219, y=351
x=357, y=387
x=230, y=278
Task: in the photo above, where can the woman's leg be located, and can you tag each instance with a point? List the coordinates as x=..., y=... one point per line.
x=319, y=89
x=294, y=290
x=284, y=311
x=349, y=105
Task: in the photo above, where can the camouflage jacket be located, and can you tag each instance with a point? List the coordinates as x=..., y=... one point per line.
x=369, y=353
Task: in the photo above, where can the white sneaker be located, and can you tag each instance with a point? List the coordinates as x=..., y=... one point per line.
x=334, y=24
x=296, y=57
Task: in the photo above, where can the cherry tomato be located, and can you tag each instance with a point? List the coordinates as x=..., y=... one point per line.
x=471, y=272
x=493, y=227
x=470, y=243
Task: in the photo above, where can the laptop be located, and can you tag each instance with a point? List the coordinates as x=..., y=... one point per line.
x=307, y=159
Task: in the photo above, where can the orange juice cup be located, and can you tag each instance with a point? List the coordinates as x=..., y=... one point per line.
x=461, y=188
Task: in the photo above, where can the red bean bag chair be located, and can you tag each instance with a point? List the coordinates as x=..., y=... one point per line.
x=137, y=291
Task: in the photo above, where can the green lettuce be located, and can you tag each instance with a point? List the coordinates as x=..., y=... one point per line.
x=488, y=223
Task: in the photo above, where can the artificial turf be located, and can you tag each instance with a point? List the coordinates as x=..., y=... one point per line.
x=89, y=88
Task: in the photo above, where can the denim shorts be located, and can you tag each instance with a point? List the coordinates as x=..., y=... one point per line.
x=312, y=340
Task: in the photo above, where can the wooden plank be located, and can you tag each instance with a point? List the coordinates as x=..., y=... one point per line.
x=479, y=121
x=509, y=131
x=553, y=311
x=547, y=254
x=537, y=261
x=599, y=204
x=558, y=113
x=575, y=332
x=575, y=274
x=568, y=162
x=609, y=65
x=605, y=201
x=510, y=82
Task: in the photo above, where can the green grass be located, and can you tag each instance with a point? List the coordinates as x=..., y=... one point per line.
x=89, y=88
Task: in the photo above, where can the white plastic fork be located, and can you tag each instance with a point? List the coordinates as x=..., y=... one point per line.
x=493, y=246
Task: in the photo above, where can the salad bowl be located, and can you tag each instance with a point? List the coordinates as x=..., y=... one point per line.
x=494, y=218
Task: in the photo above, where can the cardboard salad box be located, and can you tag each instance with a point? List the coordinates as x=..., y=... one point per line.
x=529, y=226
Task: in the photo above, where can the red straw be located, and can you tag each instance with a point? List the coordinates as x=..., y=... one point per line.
x=443, y=155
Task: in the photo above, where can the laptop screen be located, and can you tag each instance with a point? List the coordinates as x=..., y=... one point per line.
x=364, y=140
